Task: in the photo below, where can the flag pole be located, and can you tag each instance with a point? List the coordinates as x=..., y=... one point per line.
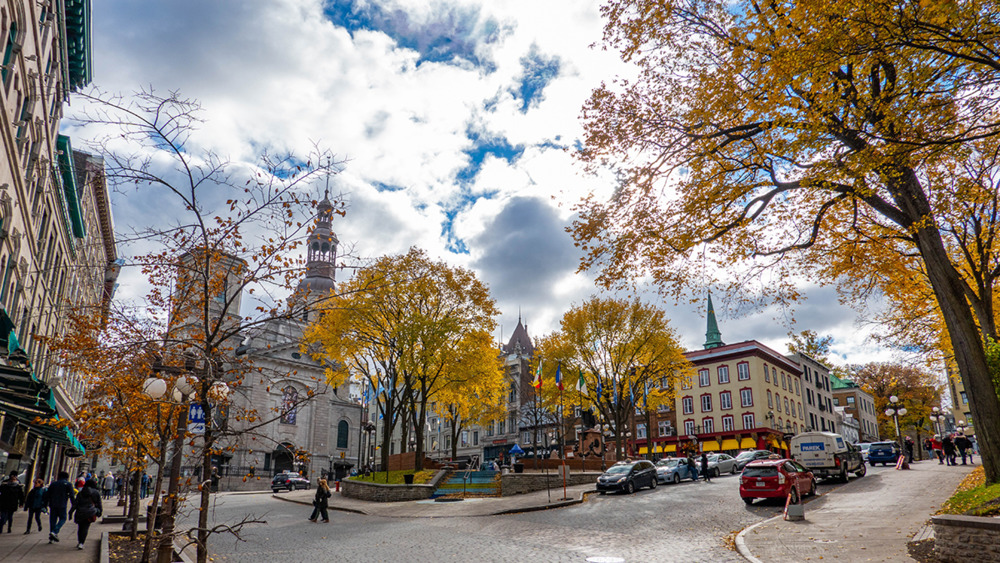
x=562, y=437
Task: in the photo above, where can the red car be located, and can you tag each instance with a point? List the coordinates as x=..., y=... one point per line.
x=776, y=478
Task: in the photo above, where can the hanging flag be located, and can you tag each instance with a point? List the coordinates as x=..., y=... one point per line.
x=600, y=388
x=537, y=381
x=581, y=385
x=559, y=375
x=631, y=398
x=614, y=392
x=645, y=397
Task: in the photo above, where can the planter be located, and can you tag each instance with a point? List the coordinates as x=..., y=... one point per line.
x=518, y=468
x=408, y=478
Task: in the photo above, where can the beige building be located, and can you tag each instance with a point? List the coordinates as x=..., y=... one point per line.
x=817, y=394
x=57, y=244
x=961, y=410
x=857, y=403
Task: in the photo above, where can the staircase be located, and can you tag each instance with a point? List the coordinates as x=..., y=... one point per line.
x=478, y=483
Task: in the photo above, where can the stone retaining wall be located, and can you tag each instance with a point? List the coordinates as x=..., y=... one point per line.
x=520, y=483
x=378, y=492
x=966, y=538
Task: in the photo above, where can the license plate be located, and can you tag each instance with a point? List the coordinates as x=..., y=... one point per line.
x=760, y=483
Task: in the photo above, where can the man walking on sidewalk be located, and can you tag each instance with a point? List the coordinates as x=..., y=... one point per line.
x=11, y=498
x=60, y=494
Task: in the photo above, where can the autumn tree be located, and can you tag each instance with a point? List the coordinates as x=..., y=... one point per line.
x=811, y=344
x=417, y=329
x=791, y=141
x=220, y=259
x=628, y=355
x=919, y=391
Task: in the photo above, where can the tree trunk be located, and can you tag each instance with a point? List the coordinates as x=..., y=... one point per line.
x=133, y=509
x=966, y=337
x=206, y=476
x=155, y=503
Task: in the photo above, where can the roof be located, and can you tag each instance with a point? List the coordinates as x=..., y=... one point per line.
x=742, y=349
x=520, y=342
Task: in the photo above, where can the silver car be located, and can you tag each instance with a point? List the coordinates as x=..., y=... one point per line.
x=672, y=470
x=722, y=463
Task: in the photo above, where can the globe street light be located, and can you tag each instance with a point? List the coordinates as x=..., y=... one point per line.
x=896, y=410
x=937, y=418
x=961, y=426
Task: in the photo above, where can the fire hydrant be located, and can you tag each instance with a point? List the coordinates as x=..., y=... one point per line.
x=337, y=485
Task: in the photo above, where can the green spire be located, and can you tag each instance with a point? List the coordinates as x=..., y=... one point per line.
x=713, y=338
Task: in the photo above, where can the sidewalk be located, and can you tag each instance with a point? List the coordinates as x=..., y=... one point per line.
x=871, y=519
x=490, y=506
x=35, y=547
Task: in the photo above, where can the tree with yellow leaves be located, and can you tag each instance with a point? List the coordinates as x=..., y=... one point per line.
x=919, y=391
x=418, y=330
x=628, y=355
x=783, y=141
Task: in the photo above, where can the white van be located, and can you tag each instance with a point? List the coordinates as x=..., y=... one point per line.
x=827, y=455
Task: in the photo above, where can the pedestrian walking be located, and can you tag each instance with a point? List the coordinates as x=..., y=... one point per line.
x=144, y=485
x=938, y=449
x=59, y=496
x=706, y=475
x=321, y=502
x=87, y=509
x=948, y=445
x=108, y=485
x=964, y=446
x=34, y=504
x=11, y=498
x=908, y=444
x=692, y=468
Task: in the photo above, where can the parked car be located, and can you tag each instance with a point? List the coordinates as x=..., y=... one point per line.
x=827, y=455
x=750, y=455
x=863, y=446
x=628, y=476
x=883, y=452
x=288, y=480
x=672, y=470
x=776, y=478
x=722, y=463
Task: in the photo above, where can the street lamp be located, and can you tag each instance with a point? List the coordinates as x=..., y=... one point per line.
x=770, y=419
x=961, y=426
x=896, y=410
x=937, y=418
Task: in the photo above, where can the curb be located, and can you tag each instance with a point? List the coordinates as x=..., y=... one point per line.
x=741, y=544
x=329, y=507
x=559, y=504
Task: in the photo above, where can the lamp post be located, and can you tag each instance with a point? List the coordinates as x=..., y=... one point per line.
x=369, y=429
x=896, y=410
x=937, y=418
x=961, y=426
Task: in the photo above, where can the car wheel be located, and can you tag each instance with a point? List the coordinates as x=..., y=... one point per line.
x=275, y=491
x=861, y=471
x=748, y=500
x=812, y=488
x=677, y=478
x=715, y=472
x=629, y=487
x=872, y=462
x=291, y=487
x=653, y=484
x=843, y=474
x=795, y=496
x=735, y=471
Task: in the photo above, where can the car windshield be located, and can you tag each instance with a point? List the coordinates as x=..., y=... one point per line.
x=882, y=445
x=667, y=463
x=616, y=469
x=745, y=455
x=760, y=471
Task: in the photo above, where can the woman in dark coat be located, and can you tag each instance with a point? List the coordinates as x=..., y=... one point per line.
x=706, y=475
x=321, y=501
x=87, y=508
x=34, y=503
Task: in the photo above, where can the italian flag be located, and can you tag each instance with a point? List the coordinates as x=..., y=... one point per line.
x=581, y=385
x=537, y=381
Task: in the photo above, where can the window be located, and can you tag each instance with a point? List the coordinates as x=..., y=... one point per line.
x=786, y=406
x=774, y=375
x=687, y=403
x=289, y=405
x=500, y=427
x=748, y=422
x=743, y=371
x=707, y=426
x=704, y=379
x=727, y=423
x=475, y=438
x=726, y=400
x=464, y=436
x=663, y=407
x=767, y=377
x=512, y=394
x=525, y=437
x=807, y=374
x=836, y=401
x=664, y=382
x=489, y=428
x=689, y=427
x=723, y=374
x=686, y=383
x=664, y=428
x=783, y=382
x=800, y=410
x=809, y=397
x=965, y=398
x=706, y=403
x=769, y=403
x=640, y=431
x=343, y=431
x=746, y=397
x=850, y=400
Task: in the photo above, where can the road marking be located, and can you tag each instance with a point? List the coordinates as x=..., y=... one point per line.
x=601, y=559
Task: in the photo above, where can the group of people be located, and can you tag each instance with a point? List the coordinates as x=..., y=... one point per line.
x=948, y=448
x=692, y=465
x=61, y=499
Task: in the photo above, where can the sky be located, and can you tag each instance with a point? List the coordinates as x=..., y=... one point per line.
x=458, y=121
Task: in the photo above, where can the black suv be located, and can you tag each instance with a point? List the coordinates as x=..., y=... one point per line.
x=289, y=481
x=628, y=476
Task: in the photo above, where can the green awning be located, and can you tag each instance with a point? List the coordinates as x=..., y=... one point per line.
x=79, y=46
x=67, y=172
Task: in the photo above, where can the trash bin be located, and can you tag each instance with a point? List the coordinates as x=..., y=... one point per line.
x=408, y=478
x=518, y=468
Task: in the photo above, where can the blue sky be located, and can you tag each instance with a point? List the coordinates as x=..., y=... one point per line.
x=458, y=120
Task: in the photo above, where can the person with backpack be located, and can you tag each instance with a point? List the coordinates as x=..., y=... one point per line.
x=34, y=504
x=321, y=502
x=706, y=475
x=87, y=509
x=11, y=498
x=60, y=494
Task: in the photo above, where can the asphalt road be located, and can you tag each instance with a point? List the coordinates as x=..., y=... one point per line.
x=688, y=521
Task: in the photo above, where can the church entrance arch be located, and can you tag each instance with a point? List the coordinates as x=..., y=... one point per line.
x=283, y=457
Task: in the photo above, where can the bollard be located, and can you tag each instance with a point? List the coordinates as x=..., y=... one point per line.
x=338, y=485
x=794, y=512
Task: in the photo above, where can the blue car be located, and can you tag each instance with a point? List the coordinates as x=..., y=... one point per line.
x=883, y=452
x=672, y=470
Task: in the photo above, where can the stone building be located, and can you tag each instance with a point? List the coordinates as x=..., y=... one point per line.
x=57, y=247
x=818, y=403
x=859, y=404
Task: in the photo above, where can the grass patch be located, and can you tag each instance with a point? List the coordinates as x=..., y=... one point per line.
x=974, y=497
x=396, y=477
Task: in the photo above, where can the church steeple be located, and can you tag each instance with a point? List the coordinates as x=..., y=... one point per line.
x=321, y=252
x=713, y=338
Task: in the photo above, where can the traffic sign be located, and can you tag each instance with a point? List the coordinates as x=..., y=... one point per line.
x=196, y=419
